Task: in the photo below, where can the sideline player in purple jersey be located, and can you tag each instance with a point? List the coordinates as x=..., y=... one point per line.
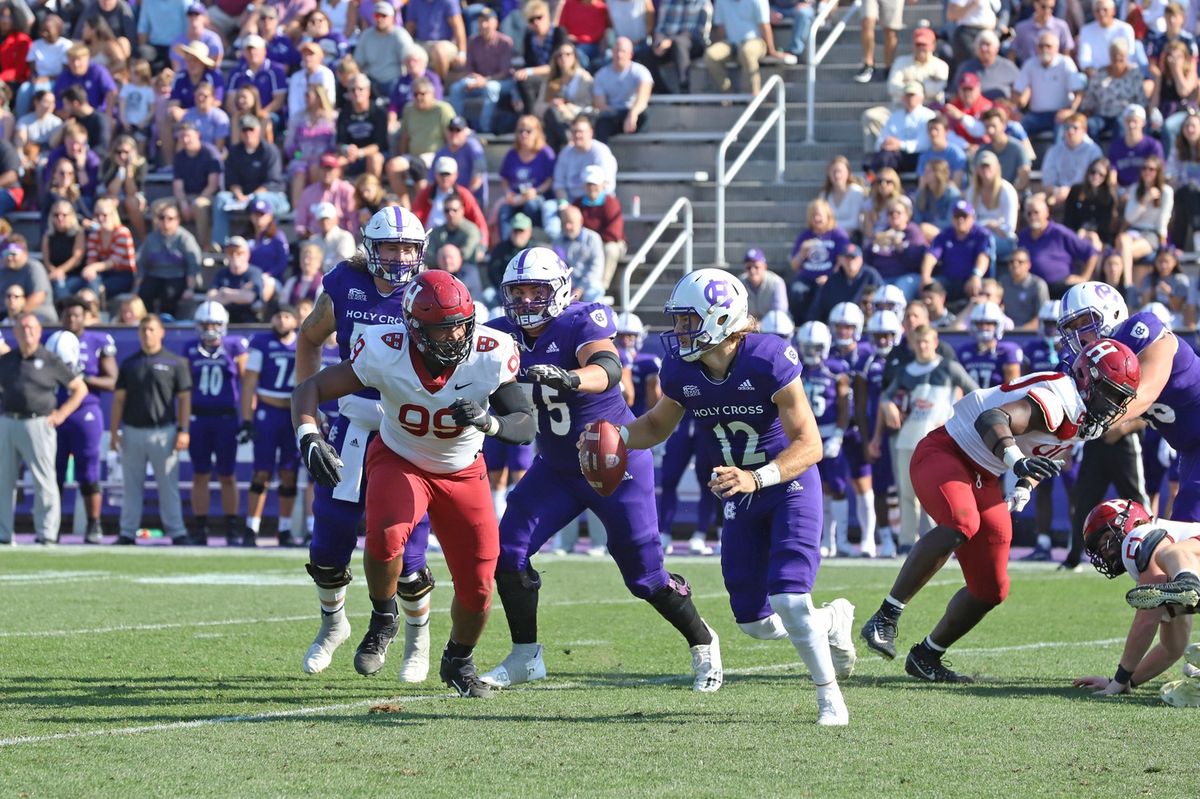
x=79, y=434
x=990, y=361
x=745, y=391
x=884, y=330
x=357, y=293
x=572, y=367
x=639, y=379
x=506, y=463
x=829, y=398
x=849, y=353
x=218, y=362
x=266, y=411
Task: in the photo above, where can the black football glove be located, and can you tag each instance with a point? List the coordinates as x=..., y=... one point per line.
x=553, y=376
x=246, y=433
x=469, y=413
x=1038, y=467
x=321, y=459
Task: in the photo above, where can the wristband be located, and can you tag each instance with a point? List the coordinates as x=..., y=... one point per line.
x=493, y=426
x=1123, y=675
x=624, y=431
x=305, y=429
x=766, y=476
x=1011, y=455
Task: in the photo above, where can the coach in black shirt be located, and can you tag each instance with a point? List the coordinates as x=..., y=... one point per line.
x=153, y=402
x=30, y=376
x=916, y=313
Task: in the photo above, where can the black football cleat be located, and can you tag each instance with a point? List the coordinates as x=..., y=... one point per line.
x=459, y=674
x=926, y=664
x=879, y=633
x=1183, y=591
x=372, y=651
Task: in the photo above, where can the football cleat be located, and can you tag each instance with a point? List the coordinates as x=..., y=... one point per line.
x=1038, y=555
x=459, y=674
x=415, y=666
x=831, y=707
x=335, y=629
x=94, y=534
x=1191, y=671
x=1192, y=656
x=523, y=664
x=372, y=651
x=697, y=545
x=925, y=664
x=841, y=637
x=1182, y=693
x=706, y=665
x=1183, y=591
x=668, y=544
x=879, y=633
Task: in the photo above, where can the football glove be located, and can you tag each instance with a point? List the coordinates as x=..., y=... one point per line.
x=321, y=460
x=469, y=413
x=1018, y=498
x=553, y=376
x=246, y=433
x=1165, y=453
x=1038, y=467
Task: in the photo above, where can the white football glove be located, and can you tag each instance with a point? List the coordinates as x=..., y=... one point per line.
x=833, y=445
x=1018, y=498
x=1166, y=453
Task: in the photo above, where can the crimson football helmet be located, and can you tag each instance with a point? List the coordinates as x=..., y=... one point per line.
x=1107, y=374
x=438, y=300
x=1104, y=533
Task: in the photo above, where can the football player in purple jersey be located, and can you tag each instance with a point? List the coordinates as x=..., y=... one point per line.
x=572, y=367
x=746, y=393
x=990, y=361
x=849, y=354
x=885, y=331
x=80, y=433
x=357, y=293
x=218, y=361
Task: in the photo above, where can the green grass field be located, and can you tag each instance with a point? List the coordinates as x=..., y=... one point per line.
x=169, y=673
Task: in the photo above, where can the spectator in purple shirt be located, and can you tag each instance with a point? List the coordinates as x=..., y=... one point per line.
x=489, y=62
x=527, y=173
x=258, y=70
x=95, y=79
x=197, y=176
x=1055, y=249
x=898, y=251
x=438, y=25
x=962, y=254
x=416, y=65
x=200, y=69
x=197, y=31
x=465, y=148
x=269, y=249
x=280, y=47
x=817, y=247
x=1128, y=152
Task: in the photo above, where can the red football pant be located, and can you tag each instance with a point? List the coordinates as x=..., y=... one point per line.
x=460, y=511
x=959, y=494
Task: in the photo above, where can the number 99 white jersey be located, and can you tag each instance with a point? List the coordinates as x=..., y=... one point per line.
x=417, y=423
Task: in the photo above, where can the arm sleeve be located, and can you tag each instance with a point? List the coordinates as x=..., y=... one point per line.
x=960, y=377
x=513, y=412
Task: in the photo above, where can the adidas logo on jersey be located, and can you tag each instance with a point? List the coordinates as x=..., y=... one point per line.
x=746, y=385
x=353, y=442
x=356, y=295
x=793, y=487
x=552, y=348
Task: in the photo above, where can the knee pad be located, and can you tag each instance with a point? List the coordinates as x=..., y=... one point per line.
x=258, y=488
x=527, y=580
x=89, y=489
x=795, y=611
x=287, y=491
x=768, y=629
x=416, y=589
x=676, y=593
x=329, y=576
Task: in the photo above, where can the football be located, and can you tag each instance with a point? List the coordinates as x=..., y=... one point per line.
x=602, y=457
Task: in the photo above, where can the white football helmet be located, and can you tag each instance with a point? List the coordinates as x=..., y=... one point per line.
x=65, y=345
x=814, y=342
x=630, y=324
x=884, y=329
x=542, y=268
x=1161, y=311
x=1048, y=318
x=843, y=315
x=394, y=224
x=890, y=298
x=718, y=299
x=778, y=323
x=1101, y=305
x=987, y=323
x=212, y=322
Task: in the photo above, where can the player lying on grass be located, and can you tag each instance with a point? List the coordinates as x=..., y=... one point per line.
x=1120, y=536
x=745, y=392
x=436, y=376
x=1022, y=426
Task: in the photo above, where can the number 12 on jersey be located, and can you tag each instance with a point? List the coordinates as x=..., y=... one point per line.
x=725, y=438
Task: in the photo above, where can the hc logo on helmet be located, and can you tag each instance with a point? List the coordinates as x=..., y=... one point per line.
x=717, y=293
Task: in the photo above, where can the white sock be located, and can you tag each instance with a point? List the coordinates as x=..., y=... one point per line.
x=309, y=521
x=808, y=629
x=332, y=599
x=929, y=643
x=827, y=528
x=864, y=508
x=416, y=612
x=285, y=525
x=840, y=510
x=254, y=522
x=1043, y=541
x=499, y=500
x=891, y=600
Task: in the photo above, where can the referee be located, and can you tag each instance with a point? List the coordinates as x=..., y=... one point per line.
x=149, y=386
x=29, y=411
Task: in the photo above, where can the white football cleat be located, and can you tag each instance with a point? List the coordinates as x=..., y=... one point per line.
x=706, y=665
x=434, y=545
x=335, y=629
x=523, y=664
x=415, y=665
x=1192, y=655
x=831, y=707
x=1181, y=693
x=668, y=544
x=887, y=544
x=841, y=637
x=698, y=545
x=1191, y=671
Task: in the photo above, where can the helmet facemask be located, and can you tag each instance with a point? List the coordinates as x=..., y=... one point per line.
x=445, y=350
x=1104, y=546
x=1072, y=334
x=526, y=309
x=398, y=270
x=698, y=339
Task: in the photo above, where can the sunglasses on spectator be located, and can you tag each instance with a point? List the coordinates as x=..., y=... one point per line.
x=536, y=18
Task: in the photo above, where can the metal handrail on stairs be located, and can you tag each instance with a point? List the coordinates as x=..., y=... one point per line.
x=816, y=57
x=684, y=240
x=725, y=175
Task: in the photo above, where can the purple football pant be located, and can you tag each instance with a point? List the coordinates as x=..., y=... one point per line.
x=1186, y=507
x=550, y=496
x=336, y=522
x=679, y=449
x=882, y=478
x=771, y=544
x=79, y=435
x=852, y=451
x=499, y=455
x=214, y=437
x=274, y=440
x=833, y=474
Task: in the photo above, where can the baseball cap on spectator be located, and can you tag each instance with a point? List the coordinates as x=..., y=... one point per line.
x=963, y=208
x=254, y=40
x=330, y=160
x=445, y=165
x=593, y=173
x=250, y=121
x=924, y=36
x=851, y=251
x=269, y=10
x=1133, y=110
x=189, y=124
x=259, y=206
x=312, y=47
x=197, y=8
x=324, y=211
x=754, y=255
x=521, y=222
x=457, y=123
x=488, y=12
x=969, y=80
x=987, y=157
x=914, y=87
x=236, y=243
x=385, y=8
